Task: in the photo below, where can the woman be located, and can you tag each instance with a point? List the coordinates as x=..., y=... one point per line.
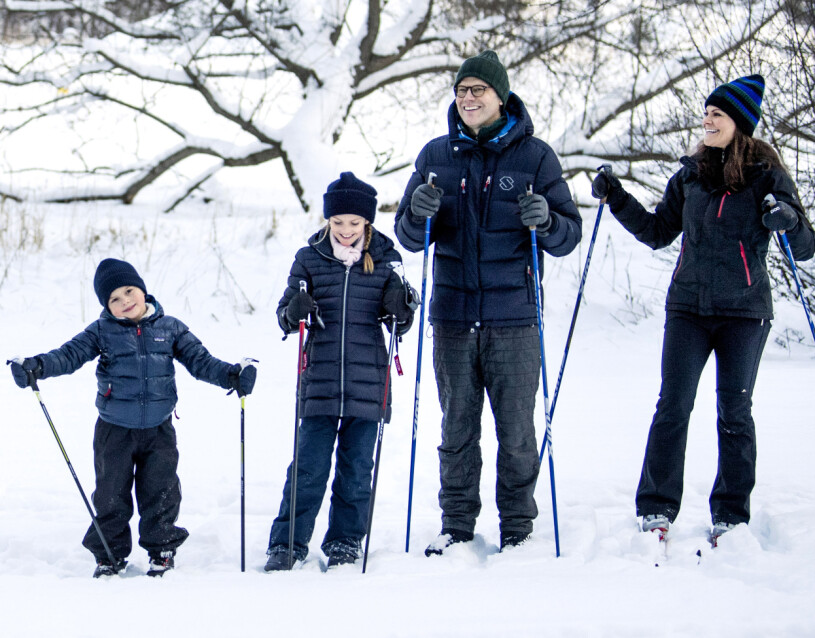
x=719, y=298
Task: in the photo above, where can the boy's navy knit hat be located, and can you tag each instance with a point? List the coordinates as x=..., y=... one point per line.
x=486, y=66
x=112, y=274
x=350, y=195
x=741, y=100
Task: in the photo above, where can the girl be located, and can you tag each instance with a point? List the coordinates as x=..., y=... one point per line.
x=719, y=299
x=353, y=278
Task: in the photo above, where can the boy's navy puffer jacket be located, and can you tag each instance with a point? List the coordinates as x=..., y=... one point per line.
x=135, y=374
x=347, y=360
x=482, y=262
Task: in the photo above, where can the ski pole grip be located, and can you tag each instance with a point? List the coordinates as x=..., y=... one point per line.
x=770, y=200
x=605, y=168
x=431, y=179
x=529, y=192
x=303, y=286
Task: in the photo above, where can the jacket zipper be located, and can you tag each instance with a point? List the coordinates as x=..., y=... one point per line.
x=142, y=381
x=681, y=257
x=721, y=205
x=744, y=260
x=342, y=341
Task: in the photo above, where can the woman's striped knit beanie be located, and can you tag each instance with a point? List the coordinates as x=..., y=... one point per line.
x=741, y=100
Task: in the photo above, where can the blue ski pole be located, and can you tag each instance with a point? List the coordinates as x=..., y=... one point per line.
x=547, y=437
x=430, y=180
x=769, y=199
x=604, y=167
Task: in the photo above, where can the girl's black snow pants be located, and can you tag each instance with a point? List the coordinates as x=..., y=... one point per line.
x=149, y=458
x=688, y=341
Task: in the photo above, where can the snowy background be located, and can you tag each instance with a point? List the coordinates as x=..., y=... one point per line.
x=221, y=268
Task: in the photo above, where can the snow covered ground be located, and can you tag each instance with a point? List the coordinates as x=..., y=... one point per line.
x=221, y=269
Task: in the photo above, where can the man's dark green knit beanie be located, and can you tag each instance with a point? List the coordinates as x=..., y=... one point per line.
x=486, y=66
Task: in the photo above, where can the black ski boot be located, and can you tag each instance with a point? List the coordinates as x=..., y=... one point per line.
x=446, y=538
x=105, y=568
x=161, y=563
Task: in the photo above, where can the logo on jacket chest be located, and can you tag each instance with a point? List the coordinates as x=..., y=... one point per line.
x=506, y=183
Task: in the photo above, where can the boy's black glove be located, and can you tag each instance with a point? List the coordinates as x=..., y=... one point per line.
x=299, y=308
x=425, y=201
x=242, y=377
x=778, y=216
x=25, y=371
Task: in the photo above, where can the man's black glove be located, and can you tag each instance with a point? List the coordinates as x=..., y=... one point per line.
x=606, y=185
x=534, y=211
x=242, y=376
x=778, y=216
x=25, y=371
x=426, y=200
x=299, y=308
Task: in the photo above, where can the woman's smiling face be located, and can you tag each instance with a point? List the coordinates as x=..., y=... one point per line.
x=719, y=127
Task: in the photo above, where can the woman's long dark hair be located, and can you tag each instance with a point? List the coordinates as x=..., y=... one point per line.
x=727, y=166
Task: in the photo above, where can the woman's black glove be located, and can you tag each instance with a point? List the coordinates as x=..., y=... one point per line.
x=606, y=186
x=778, y=216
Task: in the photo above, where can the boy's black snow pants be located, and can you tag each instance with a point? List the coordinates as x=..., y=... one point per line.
x=149, y=458
x=689, y=339
x=506, y=363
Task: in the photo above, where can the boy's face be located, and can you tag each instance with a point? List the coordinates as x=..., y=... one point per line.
x=127, y=302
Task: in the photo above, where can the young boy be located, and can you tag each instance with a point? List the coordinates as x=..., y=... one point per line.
x=134, y=440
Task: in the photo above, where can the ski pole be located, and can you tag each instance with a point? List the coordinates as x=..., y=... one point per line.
x=243, y=490
x=244, y=362
x=786, y=245
x=33, y=383
x=380, y=432
x=431, y=179
x=604, y=167
x=547, y=437
x=297, y=409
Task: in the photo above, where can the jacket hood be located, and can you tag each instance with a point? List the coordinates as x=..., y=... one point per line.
x=519, y=124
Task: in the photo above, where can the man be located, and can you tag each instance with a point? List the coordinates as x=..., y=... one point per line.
x=483, y=308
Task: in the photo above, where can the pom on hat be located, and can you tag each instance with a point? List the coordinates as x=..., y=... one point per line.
x=486, y=66
x=112, y=274
x=350, y=195
x=741, y=100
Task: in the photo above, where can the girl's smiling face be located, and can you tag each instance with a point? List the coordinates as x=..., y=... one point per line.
x=127, y=302
x=347, y=228
x=719, y=127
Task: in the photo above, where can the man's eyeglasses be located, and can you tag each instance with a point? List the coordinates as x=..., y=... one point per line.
x=477, y=90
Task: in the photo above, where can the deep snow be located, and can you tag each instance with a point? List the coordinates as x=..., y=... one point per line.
x=209, y=265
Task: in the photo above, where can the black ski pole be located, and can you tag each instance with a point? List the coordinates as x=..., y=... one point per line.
x=431, y=179
x=296, y=455
x=33, y=383
x=603, y=168
x=379, y=445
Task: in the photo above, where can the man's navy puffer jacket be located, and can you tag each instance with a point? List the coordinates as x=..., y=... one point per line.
x=482, y=263
x=135, y=374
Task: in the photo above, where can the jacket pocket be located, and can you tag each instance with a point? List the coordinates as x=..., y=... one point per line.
x=744, y=261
